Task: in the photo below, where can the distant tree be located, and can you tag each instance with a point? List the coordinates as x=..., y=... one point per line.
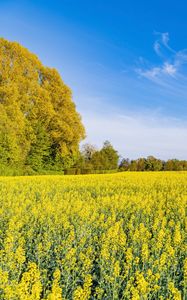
x=80, y=162
x=105, y=159
x=98, y=161
x=141, y=164
x=174, y=165
x=133, y=165
x=154, y=164
x=183, y=164
x=87, y=151
x=124, y=164
x=169, y=165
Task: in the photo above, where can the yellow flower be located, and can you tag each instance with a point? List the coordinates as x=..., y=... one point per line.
x=116, y=269
x=145, y=252
x=129, y=255
x=56, y=293
x=85, y=292
x=142, y=284
x=177, y=235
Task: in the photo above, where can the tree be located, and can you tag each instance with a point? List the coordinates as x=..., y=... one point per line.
x=9, y=151
x=124, y=164
x=87, y=151
x=141, y=164
x=154, y=164
x=133, y=165
x=98, y=161
x=41, y=117
x=174, y=165
x=105, y=159
x=39, y=154
x=110, y=155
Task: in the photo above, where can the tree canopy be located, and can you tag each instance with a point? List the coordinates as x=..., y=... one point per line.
x=104, y=159
x=39, y=124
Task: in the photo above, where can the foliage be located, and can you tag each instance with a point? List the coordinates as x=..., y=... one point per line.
x=87, y=152
x=152, y=164
x=39, y=125
x=115, y=236
x=104, y=159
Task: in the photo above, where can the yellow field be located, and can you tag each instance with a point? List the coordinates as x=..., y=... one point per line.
x=117, y=236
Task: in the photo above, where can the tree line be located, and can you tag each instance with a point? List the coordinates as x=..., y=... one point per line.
x=107, y=159
x=152, y=164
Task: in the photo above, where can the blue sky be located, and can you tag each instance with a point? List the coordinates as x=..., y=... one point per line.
x=125, y=62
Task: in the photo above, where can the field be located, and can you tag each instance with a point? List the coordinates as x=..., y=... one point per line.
x=114, y=236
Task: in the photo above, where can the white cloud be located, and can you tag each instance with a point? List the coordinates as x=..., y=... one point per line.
x=165, y=38
x=169, y=69
x=150, y=73
x=171, y=72
x=157, y=47
x=161, y=42
x=158, y=72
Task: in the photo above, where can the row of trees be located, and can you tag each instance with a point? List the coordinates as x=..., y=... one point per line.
x=107, y=159
x=152, y=164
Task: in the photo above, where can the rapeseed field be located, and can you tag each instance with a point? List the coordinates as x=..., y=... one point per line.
x=115, y=236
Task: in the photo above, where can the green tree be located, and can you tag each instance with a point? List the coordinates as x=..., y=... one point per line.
x=124, y=164
x=154, y=164
x=105, y=159
x=174, y=165
x=39, y=155
x=141, y=164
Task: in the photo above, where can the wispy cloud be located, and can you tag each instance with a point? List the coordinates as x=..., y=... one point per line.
x=161, y=42
x=155, y=73
x=172, y=68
